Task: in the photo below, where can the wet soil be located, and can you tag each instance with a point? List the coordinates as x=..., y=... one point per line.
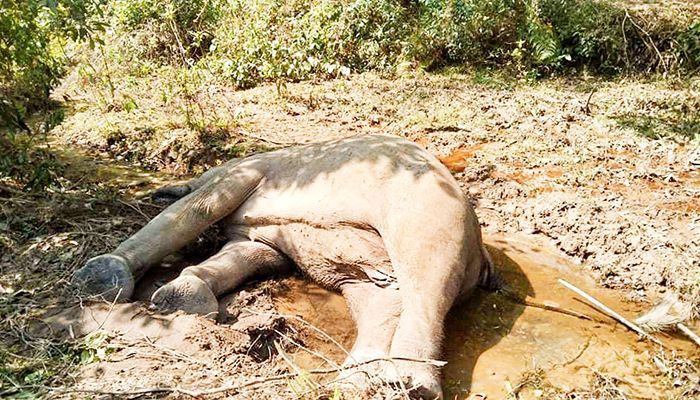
x=492, y=342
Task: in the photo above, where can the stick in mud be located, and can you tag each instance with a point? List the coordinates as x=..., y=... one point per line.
x=686, y=331
x=609, y=312
x=544, y=306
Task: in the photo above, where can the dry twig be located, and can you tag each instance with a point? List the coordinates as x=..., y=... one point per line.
x=686, y=331
x=549, y=307
x=651, y=41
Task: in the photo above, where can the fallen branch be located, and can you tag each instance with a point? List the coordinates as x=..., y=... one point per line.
x=609, y=312
x=549, y=307
x=686, y=331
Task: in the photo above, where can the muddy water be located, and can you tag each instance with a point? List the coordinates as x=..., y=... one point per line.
x=491, y=341
x=85, y=167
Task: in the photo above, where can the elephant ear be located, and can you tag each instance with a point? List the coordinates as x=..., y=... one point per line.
x=170, y=194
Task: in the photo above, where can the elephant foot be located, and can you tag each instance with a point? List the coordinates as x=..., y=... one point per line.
x=420, y=380
x=108, y=276
x=364, y=373
x=358, y=379
x=187, y=293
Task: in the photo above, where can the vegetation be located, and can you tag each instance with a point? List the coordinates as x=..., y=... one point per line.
x=250, y=41
x=247, y=42
x=243, y=43
x=33, y=36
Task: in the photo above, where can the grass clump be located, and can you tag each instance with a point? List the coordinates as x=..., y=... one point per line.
x=673, y=117
x=28, y=377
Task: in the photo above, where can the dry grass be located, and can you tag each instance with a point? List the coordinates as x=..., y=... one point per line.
x=43, y=240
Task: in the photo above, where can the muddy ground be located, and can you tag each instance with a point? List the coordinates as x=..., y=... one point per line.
x=596, y=182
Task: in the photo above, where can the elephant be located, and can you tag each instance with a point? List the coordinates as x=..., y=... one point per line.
x=376, y=218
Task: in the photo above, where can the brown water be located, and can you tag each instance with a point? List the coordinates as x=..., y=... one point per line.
x=84, y=167
x=491, y=341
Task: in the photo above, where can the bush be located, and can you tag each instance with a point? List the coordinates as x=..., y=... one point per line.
x=24, y=162
x=256, y=40
x=32, y=35
x=484, y=32
x=179, y=31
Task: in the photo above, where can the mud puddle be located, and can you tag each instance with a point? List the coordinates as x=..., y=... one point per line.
x=492, y=343
x=84, y=167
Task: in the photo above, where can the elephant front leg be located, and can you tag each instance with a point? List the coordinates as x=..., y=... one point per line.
x=113, y=275
x=196, y=289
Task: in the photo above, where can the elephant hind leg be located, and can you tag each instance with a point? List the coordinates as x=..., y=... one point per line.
x=440, y=258
x=196, y=289
x=376, y=312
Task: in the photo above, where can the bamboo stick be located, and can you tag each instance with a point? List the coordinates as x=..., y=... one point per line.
x=609, y=312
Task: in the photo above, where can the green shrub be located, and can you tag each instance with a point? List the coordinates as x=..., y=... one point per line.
x=607, y=38
x=33, y=34
x=689, y=46
x=249, y=41
x=26, y=163
x=273, y=39
x=590, y=33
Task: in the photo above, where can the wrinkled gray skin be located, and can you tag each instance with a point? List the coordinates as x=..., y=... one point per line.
x=376, y=217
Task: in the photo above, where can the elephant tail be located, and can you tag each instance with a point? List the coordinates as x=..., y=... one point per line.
x=489, y=278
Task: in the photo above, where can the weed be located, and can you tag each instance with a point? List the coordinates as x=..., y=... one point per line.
x=672, y=119
x=24, y=157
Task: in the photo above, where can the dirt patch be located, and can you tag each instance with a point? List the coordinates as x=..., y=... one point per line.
x=146, y=350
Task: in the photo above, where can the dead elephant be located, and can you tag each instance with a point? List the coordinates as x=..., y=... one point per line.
x=376, y=217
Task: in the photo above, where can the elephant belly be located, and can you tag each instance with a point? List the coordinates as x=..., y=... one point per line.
x=331, y=256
